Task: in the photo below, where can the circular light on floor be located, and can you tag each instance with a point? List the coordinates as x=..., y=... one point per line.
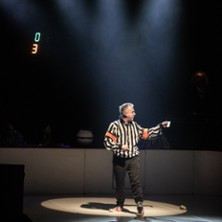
x=100, y=207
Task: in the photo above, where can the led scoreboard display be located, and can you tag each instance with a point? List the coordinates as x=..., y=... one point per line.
x=35, y=45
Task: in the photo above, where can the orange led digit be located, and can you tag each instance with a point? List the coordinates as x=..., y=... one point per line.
x=34, y=48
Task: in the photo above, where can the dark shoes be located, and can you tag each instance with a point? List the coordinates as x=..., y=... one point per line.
x=140, y=210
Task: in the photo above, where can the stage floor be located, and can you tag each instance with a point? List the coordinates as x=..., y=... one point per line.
x=169, y=208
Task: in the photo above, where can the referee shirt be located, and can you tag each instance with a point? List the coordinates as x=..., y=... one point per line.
x=119, y=133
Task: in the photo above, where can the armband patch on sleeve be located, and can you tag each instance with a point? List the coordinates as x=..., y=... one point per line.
x=145, y=134
x=110, y=135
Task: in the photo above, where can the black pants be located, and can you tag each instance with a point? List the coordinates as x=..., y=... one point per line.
x=120, y=167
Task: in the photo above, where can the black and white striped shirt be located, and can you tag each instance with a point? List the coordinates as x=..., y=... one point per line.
x=120, y=133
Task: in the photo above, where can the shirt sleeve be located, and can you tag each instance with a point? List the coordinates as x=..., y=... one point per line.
x=155, y=131
x=150, y=133
x=110, y=138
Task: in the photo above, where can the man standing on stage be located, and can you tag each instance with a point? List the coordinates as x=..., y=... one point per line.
x=122, y=139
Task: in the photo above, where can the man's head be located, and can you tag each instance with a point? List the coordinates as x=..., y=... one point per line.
x=127, y=112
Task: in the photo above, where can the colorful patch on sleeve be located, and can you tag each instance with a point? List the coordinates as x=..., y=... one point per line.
x=145, y=134
x=110, y=135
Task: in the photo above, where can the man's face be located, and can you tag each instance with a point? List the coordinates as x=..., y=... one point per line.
x=130, y=113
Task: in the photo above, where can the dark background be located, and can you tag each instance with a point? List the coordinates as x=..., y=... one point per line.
x=95, y=55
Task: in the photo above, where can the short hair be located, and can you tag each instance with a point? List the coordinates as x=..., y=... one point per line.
x=124, y=106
